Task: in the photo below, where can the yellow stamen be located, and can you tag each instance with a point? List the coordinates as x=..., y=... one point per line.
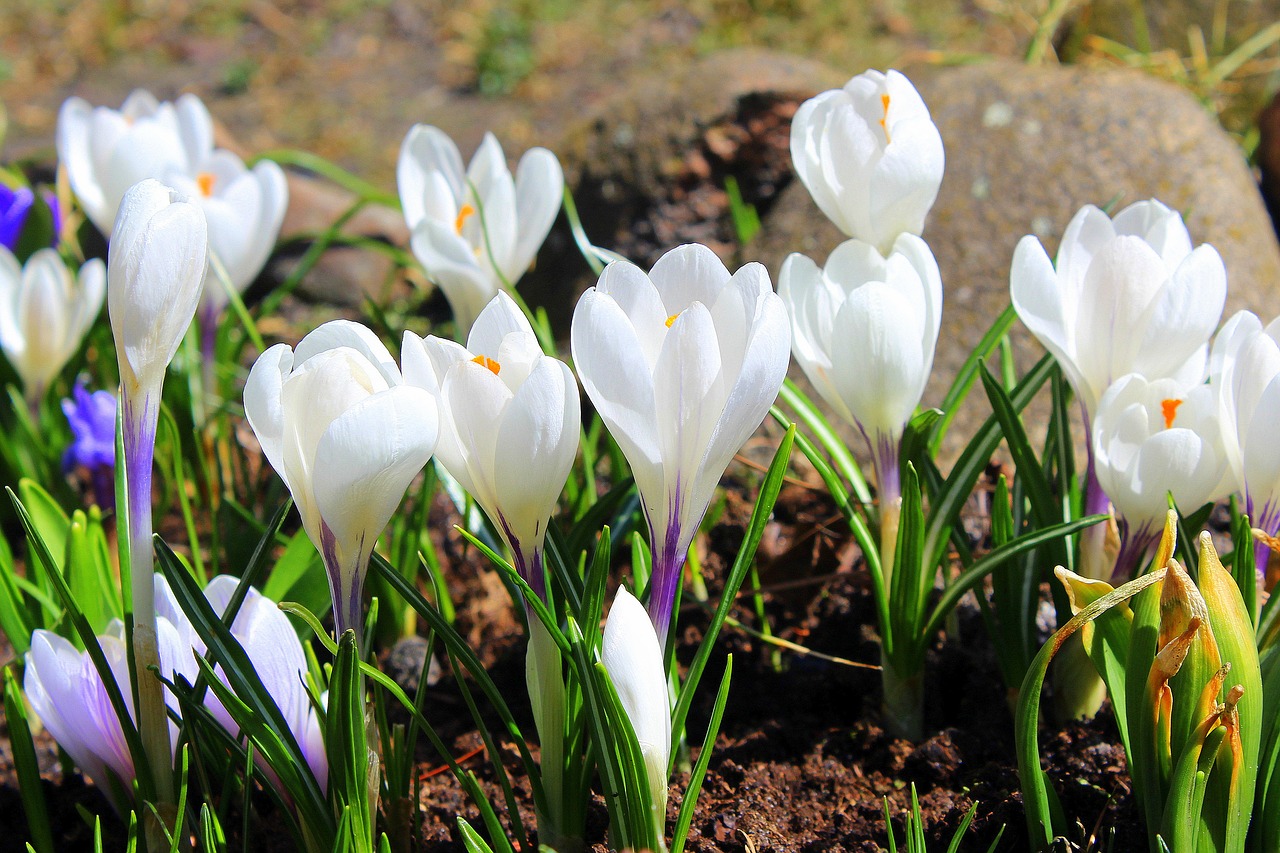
x=485, y=361
x=1169, y=408
x=463, y=214
x=672, y=319
x=204, y=181
x=884, y=99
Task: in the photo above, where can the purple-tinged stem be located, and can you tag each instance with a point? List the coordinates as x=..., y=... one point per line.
x=140, y=418
x=345, y=587
x=1094, y=561
x=668, y=563
x=884, y=458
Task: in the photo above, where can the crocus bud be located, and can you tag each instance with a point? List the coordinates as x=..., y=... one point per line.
x=478, y=231
x=347, y=437
x=870, y=156
x=45, y=313
x=509, y=423
x=107, y=151
x=682, y=365
x=1127, y=295
x=632, y=655
x=155, y=272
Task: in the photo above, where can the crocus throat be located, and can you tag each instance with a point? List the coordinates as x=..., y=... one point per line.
x=884, y=120
x=204, y=181
x=485, y=361
x=463, y=215
x=1169, y=408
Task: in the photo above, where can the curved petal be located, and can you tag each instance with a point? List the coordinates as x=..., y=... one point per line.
x=263, y=403
x=688, y=274
x=346, y=333
x=429, y=176
x=539, y=193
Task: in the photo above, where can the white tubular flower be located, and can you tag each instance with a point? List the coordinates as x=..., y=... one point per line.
x=68, y=696
x=870, y=156
x=1128, y=295
x=509, y=422
x=475, y=232
x=1244, y=370
x=864, y=330
x=107, y=151
x=45, y=313
x=682, y=365
x=155, y=273
x=1152, y=438
x=245, y=209
x=632, y=655
x=347, y=437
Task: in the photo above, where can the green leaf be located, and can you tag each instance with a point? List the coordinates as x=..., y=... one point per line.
x=346, y=746
x=690, y=801
x=26, y=767
x=813, y=418
x=471, y=839
x=967, y=374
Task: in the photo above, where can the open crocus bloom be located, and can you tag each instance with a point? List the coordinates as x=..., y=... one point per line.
x=1150, y=439
x=45, y=313
x=478, y=231
x=864, y=330
x=347, y=437
x=632, y=655
x=1244, y=370
x=106, y=151
x=509, y=423
x=682, y=365
x=1127, y=295
x=870, y=156
x=244, y=208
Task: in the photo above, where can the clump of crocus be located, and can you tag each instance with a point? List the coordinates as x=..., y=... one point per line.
x=347, y=436
x=475, y=232
x=92, y=418
x=45, y=313
x=682, y=364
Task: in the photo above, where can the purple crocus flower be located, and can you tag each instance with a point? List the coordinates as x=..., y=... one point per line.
x=92, y=416
x=15, y=206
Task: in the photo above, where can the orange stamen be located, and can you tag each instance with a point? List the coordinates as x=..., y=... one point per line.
x=884, y=99
x=204, y=181
x=672, y=319
x=1169, y=408
x=463, y=214
x=485, y=361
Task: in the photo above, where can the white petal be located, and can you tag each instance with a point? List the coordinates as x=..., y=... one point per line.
x=688, y=274
x=539, y=193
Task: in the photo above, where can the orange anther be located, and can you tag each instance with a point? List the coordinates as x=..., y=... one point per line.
x=463, y=214
x=884, y=99
x=485, y=361
x=1169, y=408
x=204, y=181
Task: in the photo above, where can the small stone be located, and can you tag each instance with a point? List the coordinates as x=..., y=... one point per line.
x=404, y=664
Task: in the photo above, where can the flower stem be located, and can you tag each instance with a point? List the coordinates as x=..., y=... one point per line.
x=140, y=420
x=903, y=703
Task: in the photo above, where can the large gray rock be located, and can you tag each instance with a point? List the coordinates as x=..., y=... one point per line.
x=1027, y=147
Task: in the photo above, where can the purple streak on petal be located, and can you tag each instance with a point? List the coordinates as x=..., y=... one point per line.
x=668, y=562
x=884, y=457
x=15, y=204
x=139, y=454
x=347, y=610
x=1267, y=519
x=529, y=567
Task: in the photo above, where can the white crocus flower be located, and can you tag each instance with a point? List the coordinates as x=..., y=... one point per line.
x=682, y=365
x=509, y=423
x=155, y=270
x=632, y=655
x=106, y=151
x=1150, y=439
x=1244, y=370
x=347, y=437
x=864, y=330
x=245, y=209
x=870, y=156
x=1127, y=295
x=475, y=232
x=45, y=313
